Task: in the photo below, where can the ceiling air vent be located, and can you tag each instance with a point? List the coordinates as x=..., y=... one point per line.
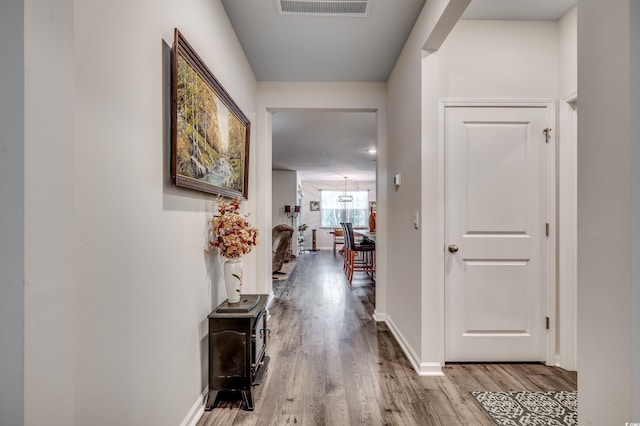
x=351, y=8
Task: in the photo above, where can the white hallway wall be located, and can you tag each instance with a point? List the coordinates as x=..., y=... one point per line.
x=284, y=192
x=479, y=59
x=139, y=239
x=12, y=211
x=49, y=291
x=284, y=186
x=608, y=212
x=568, y=52
x=609, y=374
x=634, y=111
x=117, y=285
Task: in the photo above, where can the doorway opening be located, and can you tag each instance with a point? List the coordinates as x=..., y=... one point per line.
x=317, y=153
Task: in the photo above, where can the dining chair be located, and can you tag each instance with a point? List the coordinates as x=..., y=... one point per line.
x=338, y=238
x=359, y=257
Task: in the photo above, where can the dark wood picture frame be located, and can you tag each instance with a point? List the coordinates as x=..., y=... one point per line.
x=209, y=132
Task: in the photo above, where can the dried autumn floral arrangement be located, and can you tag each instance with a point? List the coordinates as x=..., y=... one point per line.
x=230, y=232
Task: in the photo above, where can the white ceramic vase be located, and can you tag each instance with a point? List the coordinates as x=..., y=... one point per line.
x=233, y=279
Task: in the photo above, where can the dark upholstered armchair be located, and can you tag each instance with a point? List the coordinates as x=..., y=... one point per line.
x=281, y=240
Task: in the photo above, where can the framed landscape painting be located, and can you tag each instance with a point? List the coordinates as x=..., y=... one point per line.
x=210, y=134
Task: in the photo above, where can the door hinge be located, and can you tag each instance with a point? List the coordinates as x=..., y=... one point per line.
x=546, y=229
x=547, y=134
x=547, y=322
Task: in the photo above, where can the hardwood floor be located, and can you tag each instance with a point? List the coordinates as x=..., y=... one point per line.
x=332, y=364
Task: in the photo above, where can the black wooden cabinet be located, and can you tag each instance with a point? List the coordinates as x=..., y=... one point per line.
x=237, y=343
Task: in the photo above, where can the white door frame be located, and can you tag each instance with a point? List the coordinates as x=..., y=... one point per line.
x=550, y=198
x=567, y=233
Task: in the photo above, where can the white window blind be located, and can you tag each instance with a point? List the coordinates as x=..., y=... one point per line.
x=333, y=211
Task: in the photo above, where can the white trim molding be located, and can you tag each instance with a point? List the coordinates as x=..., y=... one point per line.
x=422, y=368
x=567, y=232
x=379, y=316
x=430, y=369
x=551, y=212
x=196, y=411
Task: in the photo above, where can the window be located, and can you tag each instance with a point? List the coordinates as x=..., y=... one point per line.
x=333, y=211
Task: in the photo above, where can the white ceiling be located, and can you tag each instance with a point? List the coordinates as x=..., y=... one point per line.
x=331, y=145
x=518, y=10
x=325, y=146
x=316, y=48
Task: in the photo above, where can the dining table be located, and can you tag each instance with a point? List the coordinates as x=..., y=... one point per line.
x=365, y=234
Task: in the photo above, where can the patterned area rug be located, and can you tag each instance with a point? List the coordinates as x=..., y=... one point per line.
x=530, y=408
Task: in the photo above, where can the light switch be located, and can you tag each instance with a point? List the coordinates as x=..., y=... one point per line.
x=396, y=180
x=416, y=220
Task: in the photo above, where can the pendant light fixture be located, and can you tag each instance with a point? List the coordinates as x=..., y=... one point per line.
x=345, y=198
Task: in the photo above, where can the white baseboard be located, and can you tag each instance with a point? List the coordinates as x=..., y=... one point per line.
x=197, y=410
x=379, y=317
x=422, y=368
x=430, y=369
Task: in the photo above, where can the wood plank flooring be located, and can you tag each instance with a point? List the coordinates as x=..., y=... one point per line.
x=332, y=364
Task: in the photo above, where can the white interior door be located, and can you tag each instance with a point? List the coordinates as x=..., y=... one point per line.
x=494, y=234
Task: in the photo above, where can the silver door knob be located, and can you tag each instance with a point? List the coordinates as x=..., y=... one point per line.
x=453, y=248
